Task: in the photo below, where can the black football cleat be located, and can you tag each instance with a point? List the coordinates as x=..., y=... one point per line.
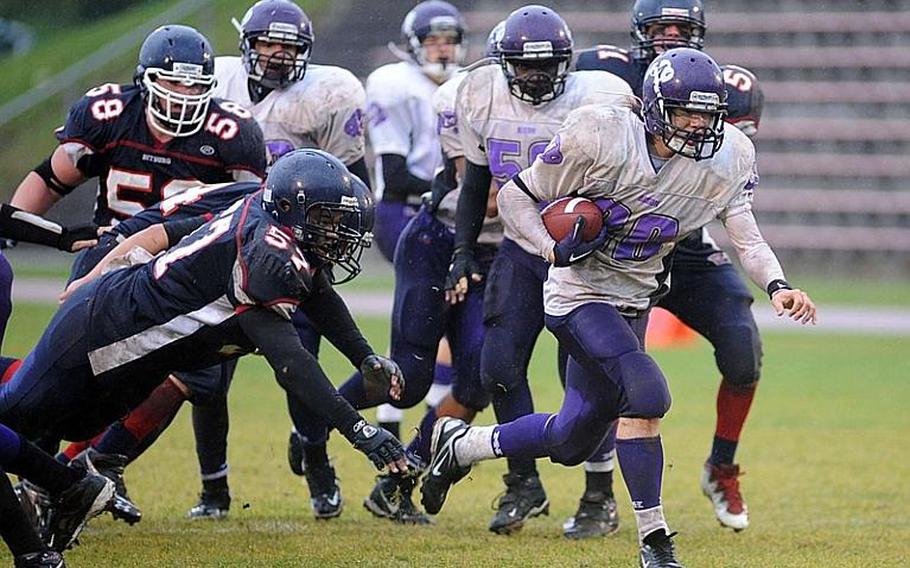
x=657, y=551
x=35, y=502
x=214, y=504
x=111, y=466
x=87, y=498
x=524, y=499
x=325, y=494
x=392, y=499
x=296, y=454
x=46, y=559
x=444, y=471
x=597, y=516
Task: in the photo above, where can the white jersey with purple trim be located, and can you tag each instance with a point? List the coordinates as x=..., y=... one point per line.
x=447, y=129
x=501, y=131
x=323, y=110
x=601, y=152
x=402, y=120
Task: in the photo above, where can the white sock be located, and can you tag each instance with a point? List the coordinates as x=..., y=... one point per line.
x=601, y=466
x=650, y=520
x=476, y=445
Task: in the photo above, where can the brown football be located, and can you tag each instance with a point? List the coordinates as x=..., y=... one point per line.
x=559, y=217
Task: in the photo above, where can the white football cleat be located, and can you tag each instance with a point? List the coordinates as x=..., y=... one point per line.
x=720, y=484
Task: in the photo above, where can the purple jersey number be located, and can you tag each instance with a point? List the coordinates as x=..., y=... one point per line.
x=504, y=157
x=648, y=232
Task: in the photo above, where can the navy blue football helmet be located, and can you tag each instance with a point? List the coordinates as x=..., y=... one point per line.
x=281, y=22
x=685, y=80
x=182, y=55
x=745, y=99
x=650, y=17
x=535, y=52
x=328, y=209
x=434, y=17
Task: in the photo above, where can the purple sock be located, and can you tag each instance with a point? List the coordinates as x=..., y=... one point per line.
x=117, y=440
x=642, y=462
x=420, y=445
x=523, y=438
x=443, y=374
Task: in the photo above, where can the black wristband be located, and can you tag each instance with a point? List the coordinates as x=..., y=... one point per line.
x=777, y=285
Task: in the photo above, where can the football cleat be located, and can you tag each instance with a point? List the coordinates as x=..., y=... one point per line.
x=35, y=502
x=657, y=551
x=325, y=495
x=296, y=453
x=111, y=466
x=444, y=471
x=524, y=499
x=213, y=504
x=45, y=559
x=597, y=515
x=85, y=499
x=720, y=483
x=392, y=498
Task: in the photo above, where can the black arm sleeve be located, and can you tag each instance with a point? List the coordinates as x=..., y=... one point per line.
x=19, y=225
x=444, y=182
x=296, y=370
x=176, y=230
x=472, y=205
x=359, y=169
x=331, y=317
x=399, y=182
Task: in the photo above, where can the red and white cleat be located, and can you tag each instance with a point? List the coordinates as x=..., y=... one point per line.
x=720, y=484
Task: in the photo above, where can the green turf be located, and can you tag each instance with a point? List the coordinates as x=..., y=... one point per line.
x=824, y=451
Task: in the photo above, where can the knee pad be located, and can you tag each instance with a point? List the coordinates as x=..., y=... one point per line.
x=644, y=386
x=738, y=353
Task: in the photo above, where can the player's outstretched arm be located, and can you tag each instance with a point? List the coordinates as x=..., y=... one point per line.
x=27, y=227
x=298, y=372
x=763, y=267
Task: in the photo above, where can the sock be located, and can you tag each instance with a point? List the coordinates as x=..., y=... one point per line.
x=34, y=464
x=642, y=462
x=160, y=407
x=389, y=418
x=8, y=368
x=315, y=455
x=210, y=428
x=216, y=482
x=16, y=530
x=70, y=452
x=733, y=404
x=420, y=445
x=443, y=374
x=649, y=522
x=599, y=482
x=475, y=445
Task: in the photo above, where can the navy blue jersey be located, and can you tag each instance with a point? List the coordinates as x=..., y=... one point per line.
x=197, y=201
x=177, y=312
x=135, y=171
x=617, y=61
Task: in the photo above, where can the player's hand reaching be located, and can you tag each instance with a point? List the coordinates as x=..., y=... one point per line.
x=380, y=446
x=463, y=270
x=794, y=303
x=381, y=375
x=573, y=248
x=74, y=239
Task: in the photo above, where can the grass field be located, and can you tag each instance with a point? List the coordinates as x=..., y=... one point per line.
x=825, y=452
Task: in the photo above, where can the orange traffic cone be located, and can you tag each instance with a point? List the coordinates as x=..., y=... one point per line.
x=666, y=330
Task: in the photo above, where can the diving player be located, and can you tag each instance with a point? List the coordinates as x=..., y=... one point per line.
x=657, y=176
x=707, y=292
x=507, y=115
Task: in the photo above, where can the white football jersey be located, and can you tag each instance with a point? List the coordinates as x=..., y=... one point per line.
x=447, y=129
x=402, y=120
x=601, y=153
x=499, y=130
x=323, y=110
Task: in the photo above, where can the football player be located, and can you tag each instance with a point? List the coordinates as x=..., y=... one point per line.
x=225, y=290
x=657, y=176
x=297, y=104
x=146, y=142
x=402, y=132
x=707, y=292
x=507, y=115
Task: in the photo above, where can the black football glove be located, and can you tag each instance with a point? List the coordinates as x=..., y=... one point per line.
x=572, y=248
x=377, y=444
x=463, y=266
x=380, y=374
x=70, y=235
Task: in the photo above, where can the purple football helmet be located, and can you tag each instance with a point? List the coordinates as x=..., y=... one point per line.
x=745, y=99
x=535, y=52
x=281, y=22
x=685, y=80
x=687, y=15
x=432, y=18
x=492, y=48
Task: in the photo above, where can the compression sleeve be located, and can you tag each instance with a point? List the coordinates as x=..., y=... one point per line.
x=359, y=169
x=176, y=230
x=472, y=205
x=399, y=183
x=332, y=318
